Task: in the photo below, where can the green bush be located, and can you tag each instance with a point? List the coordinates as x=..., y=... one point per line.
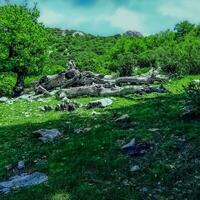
x=193, y=96
x=50, y=70
x=7, y=82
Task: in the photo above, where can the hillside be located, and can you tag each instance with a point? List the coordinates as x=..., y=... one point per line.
x=84, y=116
x=91, y=165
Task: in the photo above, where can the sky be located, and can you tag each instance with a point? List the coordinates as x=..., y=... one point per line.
x=108, y=17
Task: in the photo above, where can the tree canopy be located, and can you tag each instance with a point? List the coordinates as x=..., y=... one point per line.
x=23, y=41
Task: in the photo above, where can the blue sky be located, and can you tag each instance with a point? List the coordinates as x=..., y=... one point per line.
x=107, y=17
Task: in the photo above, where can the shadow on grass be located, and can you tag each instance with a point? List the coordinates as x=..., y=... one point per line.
x=91, y=166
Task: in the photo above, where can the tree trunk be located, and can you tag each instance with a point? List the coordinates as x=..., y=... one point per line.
x=19, y=86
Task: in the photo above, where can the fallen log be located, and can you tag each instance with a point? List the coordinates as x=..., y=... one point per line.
x=95, y=91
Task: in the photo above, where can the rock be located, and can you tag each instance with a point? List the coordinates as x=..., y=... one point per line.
x=135, y=149
x=78, y=33
x=66, y=105
x=102, y=103
x=82, y=130
x=21, y=165
x=135, y=168
x=22, y=181
x=41, y=90
x=3, y=99
x=123, y=118
x=47, y=135
x=62, y=95
x=133, y=34
x=46, y=108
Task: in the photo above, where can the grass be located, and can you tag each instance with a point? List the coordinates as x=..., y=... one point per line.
x=91, y=166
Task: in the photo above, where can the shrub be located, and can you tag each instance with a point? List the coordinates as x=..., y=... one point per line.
x=193, y=96
x=126, y=64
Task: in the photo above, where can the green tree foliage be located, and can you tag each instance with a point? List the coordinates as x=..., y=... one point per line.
x=23, y=42
x=126, y=64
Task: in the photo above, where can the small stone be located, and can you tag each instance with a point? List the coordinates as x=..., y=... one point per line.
x=102, y=103
x=145, y=189
x=153, y=129
x=21, y=165
x=82, y=130
x=135, y=168
x=24, y=180
x=123, y=118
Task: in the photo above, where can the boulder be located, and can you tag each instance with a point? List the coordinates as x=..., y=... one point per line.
x=102, y=103
x=47, y=135
x=133, y=34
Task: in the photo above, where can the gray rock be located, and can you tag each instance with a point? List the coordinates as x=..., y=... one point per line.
x=102, y=103
x=47, y=135
x=133, y=34
x=3, y=99
x=21, y=181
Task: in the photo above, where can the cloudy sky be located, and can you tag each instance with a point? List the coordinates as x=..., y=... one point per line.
x=107, y=17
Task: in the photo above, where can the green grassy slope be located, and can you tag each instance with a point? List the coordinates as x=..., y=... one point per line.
x=91, y=166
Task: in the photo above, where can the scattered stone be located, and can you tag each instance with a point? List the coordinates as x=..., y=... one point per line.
x=135, y=168
x=21, y=181
x=3, y=99
x=123, y=118
x=47, y=135
x=82, y=130
x=46, y=108
x=66, y=105
x=135, y=149
x=102, y=103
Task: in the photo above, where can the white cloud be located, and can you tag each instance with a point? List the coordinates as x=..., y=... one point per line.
x=182, y=10
x=127, y=20
x=93, y=18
